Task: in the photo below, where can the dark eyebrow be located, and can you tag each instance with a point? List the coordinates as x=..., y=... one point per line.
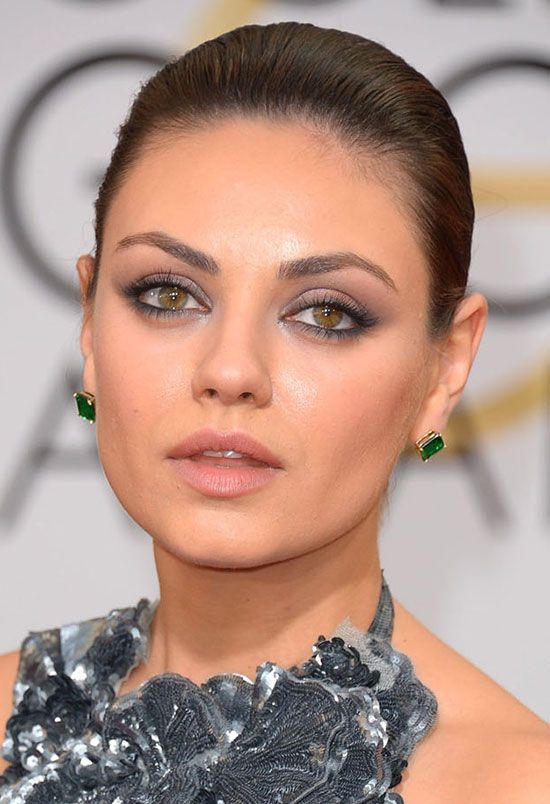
x=289, y=269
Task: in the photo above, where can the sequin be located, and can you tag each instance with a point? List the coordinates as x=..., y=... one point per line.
x=337, y=728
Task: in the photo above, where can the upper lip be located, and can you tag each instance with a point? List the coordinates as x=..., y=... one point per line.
x=208, y=439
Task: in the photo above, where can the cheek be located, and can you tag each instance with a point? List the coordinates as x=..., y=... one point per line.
x=134, y=377
x=359, y=408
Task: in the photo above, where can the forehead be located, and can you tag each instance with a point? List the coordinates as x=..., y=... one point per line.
x=256, y=192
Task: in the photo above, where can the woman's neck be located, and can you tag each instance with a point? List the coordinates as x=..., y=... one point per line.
x=212, y=620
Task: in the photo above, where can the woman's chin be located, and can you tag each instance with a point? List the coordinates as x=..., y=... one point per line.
x=224, y=552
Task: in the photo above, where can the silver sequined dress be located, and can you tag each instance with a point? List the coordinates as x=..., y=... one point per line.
x=337, y=729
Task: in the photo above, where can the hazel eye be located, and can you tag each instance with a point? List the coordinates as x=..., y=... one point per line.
x=327, y=315
x=166, y=297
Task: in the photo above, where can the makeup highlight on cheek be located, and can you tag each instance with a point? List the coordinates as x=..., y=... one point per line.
x=300, y=387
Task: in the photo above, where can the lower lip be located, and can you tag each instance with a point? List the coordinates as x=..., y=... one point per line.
x=221, y=481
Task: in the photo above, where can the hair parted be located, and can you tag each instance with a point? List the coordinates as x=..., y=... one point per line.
x=370, y=98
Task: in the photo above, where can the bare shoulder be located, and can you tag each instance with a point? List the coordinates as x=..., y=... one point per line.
x=520, y=767
x=486, y=746
x=9, y=662
x=479, y=764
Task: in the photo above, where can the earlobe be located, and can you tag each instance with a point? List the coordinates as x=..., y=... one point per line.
x=85, y=268
x=456, y=359
x=434, y=414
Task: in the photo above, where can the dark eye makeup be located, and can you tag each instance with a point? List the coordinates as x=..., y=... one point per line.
x=329, y=301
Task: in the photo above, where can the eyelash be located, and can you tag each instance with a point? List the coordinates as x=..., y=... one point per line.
x=364, y=318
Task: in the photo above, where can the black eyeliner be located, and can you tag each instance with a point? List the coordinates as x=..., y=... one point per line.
x=362, y=316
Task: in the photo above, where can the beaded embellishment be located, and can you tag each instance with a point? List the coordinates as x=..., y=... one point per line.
x=337, y=728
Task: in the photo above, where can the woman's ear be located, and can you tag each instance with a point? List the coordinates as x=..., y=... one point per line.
x=85, y=266
x=455, y=357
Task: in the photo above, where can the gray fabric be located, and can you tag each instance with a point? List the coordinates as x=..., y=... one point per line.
x=337, y=728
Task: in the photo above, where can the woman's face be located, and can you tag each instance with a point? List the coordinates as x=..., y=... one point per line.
x=240, y=353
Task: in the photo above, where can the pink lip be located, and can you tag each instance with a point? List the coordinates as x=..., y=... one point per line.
x=208, y=439
x=228, y=480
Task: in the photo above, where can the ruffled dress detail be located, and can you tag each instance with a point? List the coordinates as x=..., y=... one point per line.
x=336, y=729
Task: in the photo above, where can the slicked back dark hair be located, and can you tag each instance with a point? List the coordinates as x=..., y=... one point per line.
x=371, y=99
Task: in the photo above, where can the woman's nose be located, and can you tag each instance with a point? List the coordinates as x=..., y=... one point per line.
x=234, y=367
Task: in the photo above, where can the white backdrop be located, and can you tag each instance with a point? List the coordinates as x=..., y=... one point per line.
x=466, y=541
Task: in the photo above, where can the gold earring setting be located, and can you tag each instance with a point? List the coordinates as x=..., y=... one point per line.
x=85, y=405
x=429, y=444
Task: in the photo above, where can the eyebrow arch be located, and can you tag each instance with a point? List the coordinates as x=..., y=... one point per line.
x=288, y=269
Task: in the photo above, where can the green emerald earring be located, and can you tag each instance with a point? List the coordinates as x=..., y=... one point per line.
x=429, y=444
x=85, y=405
